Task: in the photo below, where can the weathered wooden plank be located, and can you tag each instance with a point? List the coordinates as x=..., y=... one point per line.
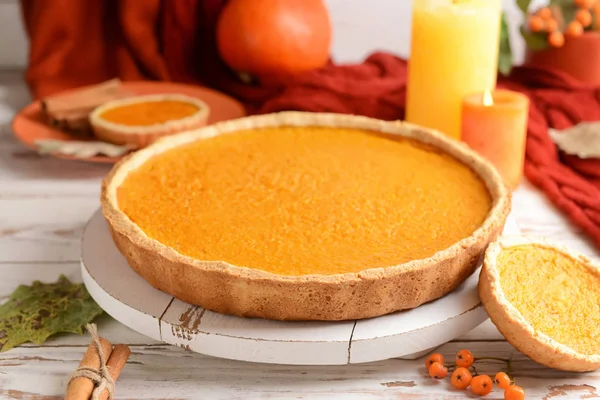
x=43, y=229
x=24, y=174
x=15, y=274
x=158, y=372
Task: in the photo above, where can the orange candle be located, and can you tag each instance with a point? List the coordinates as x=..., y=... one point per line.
x=495, y=125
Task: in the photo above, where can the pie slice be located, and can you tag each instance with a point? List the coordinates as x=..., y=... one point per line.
x=70, y=110
x=305, y=216
x=545, y=300
x=140, y=120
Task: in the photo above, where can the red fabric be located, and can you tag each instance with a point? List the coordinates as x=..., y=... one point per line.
x=559, y=101
x=175, y=40
x=376, y=88
x=589, y=168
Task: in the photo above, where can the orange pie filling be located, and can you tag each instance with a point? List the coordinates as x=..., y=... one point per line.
x=149, y=112
x=557, y=294
x=305, y=200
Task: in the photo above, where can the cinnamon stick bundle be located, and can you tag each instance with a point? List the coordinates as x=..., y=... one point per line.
x=89, y=376
x=116, y=363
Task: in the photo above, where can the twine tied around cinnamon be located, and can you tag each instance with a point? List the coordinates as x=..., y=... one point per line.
x=101, y=376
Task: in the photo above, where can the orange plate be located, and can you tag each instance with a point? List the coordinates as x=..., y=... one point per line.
x=29, y=124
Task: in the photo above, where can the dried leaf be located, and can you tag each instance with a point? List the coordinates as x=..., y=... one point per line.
x=582, y=140
x=80, y=149
x=33, y=313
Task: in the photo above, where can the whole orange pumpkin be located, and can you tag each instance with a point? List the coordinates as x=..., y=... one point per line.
x=274, y=38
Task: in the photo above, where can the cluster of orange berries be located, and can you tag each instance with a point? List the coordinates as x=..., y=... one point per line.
x=545, y=20
x=462, y=377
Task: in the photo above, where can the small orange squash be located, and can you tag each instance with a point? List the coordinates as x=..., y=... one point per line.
x=274, y=38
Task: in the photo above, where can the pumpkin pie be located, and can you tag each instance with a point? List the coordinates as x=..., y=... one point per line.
x=140, y=120
x=305, y=216
x=545, y=300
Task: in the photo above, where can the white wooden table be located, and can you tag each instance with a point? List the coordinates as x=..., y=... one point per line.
x=44, y=204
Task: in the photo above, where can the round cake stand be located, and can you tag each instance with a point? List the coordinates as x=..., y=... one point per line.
x=408, y=334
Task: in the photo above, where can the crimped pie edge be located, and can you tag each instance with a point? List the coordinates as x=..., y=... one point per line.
x=423, y=280
x=511, y=323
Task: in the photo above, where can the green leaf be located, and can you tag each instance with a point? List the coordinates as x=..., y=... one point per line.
x=505, y=56
x=523, y=5
x=33, y=313
x=534, y=41
x=562, y=3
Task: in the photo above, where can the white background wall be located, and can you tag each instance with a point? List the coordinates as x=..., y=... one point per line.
x=360, y=27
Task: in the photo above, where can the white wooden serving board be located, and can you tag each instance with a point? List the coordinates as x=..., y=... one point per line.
x=408, y=334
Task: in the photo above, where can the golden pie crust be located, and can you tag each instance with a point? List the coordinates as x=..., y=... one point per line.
x=519, y=330
x=138, y=136
x=249, y=292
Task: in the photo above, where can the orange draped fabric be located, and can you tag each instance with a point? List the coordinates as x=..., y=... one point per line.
x=74, y=43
